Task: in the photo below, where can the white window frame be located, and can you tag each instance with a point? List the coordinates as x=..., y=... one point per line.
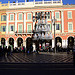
x=55, y=15
x=27, y=16
x=71, y=14
x=18, y=27
x=19, y=14
x=10, y=17
x=29, y=24
x=68, y=26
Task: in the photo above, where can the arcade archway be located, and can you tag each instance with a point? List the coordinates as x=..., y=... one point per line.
x=58, y=40
x=70, y=42
x=2, y=41
x=19, y=42
x=29, y=44
x=11, y=41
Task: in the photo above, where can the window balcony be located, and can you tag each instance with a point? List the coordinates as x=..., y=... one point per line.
x=19, y=32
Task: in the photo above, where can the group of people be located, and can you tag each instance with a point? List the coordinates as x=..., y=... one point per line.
x=6, y=51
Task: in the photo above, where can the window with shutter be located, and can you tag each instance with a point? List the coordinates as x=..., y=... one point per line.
x=20, y=28
x=29, y=16
x=1, y=28
x=70, y=26
x=4, y=17
x=20, y=16
x=57, y=27
x=11, y=28
x=57, y=15
x=4, y=28
x=69, y=15
x=29, y=28
x=11, y=17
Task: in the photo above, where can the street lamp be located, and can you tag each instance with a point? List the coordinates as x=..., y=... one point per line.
x=54, y=20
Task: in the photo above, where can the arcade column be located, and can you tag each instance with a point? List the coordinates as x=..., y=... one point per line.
x=6, y=43
x=52, y=43
x=15, y=44
x=24, y=43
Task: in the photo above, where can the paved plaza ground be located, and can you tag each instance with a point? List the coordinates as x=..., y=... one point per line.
x=42, y=57
x=44, y=63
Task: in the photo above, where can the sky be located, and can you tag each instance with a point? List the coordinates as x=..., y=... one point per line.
x=64, y=1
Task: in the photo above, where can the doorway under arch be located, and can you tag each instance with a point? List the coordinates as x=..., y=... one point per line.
x=58, y=40
x=19, y=42
x=70, y=42
x=11, y=41
x=2, y=41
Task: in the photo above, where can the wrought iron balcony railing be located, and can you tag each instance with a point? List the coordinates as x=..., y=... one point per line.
x=24, y=32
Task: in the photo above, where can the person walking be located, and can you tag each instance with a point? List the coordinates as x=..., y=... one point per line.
x=9, y=50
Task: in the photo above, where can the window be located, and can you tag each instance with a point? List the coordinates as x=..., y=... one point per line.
x=58, y=26
x=12, y=28
x=70, y=26
x=3, y=17
x=29, y=28
x=29, y=16
x=12, y=17
x=20, y=16
x=57, y=15
x=20, y=28
x=3, y=28
x=69, y=15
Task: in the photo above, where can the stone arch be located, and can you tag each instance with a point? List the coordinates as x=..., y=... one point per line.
x=3, y=41
x=70, y=41
x=58, y=39
x=11, y=41
x=19, y=41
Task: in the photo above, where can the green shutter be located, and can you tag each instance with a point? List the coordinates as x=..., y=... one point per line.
x=11, y=17
x=60, y=26
x=20, y=16
x=13, y=28
x=29, y=16
x=1, y=28
x=5, y=28
x=57, y=15
x=5, y=17
x=1, y=17
x=69, y=15
x=70, y=26
x=20, y=28
x=9, y=28
x=50, y=27
x=29, y=28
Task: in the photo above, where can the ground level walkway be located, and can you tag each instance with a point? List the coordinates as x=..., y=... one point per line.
x=42, y=57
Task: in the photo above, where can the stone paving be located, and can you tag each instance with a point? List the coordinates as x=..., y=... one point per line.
x=42, y=57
